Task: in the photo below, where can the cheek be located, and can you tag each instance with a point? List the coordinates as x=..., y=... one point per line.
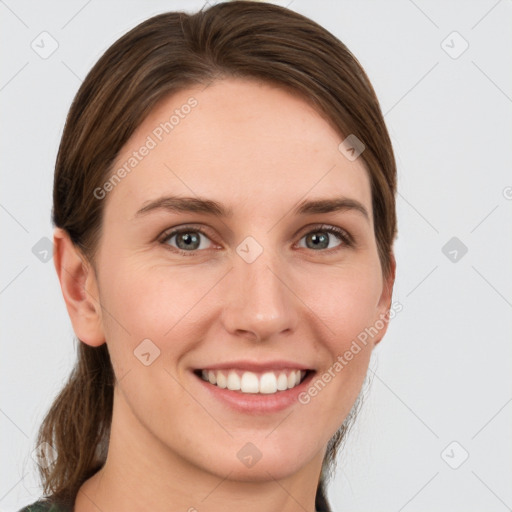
x=347, y=308
x=346, y=301
x=148, y=302
x=163, y=305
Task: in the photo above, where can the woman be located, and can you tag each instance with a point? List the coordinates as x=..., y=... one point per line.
x=224, y=204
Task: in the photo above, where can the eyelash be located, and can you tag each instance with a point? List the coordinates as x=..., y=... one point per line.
x=344, y=236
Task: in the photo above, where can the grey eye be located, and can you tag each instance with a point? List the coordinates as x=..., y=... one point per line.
x=187, y=240
x=321, y=239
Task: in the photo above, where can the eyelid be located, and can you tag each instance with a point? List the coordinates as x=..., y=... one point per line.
x=169, y=233
x=342, y=233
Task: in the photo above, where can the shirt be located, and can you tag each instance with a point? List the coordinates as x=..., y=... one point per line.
x=44, y=506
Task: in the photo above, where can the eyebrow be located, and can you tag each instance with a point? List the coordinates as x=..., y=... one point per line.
x=210, y=207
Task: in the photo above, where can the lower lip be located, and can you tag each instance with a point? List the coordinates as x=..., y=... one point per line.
x=256, y=403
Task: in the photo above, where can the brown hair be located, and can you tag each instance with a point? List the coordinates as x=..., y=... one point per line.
x=163, y=55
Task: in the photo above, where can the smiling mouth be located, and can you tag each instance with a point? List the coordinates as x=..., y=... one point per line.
x=267, y=383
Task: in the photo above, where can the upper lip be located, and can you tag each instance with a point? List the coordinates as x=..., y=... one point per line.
x=252, y=366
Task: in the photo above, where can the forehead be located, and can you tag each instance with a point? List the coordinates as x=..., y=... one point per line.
x=244, y=143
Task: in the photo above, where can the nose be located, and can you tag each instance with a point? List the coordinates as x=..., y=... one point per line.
x=259, y=300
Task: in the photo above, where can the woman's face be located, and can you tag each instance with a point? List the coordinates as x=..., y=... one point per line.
x=255, y=283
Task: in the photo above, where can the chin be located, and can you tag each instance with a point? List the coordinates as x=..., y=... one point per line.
x=249, y=463
x=262, y=471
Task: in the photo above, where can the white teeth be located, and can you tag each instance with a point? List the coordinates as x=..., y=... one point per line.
x=282, y=382
x=268, y=383
x=250, y=382
x=233, y=381
x=222, y=380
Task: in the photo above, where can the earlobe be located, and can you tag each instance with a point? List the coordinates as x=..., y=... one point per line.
x=79, y=289
x=384, y=305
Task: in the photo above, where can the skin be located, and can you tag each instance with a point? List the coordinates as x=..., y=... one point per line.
x=258, y=150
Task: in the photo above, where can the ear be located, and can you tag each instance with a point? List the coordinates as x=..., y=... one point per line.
x=79, y=289
x=384, y=305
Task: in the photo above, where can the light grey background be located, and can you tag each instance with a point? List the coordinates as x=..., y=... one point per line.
x=443, y=372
